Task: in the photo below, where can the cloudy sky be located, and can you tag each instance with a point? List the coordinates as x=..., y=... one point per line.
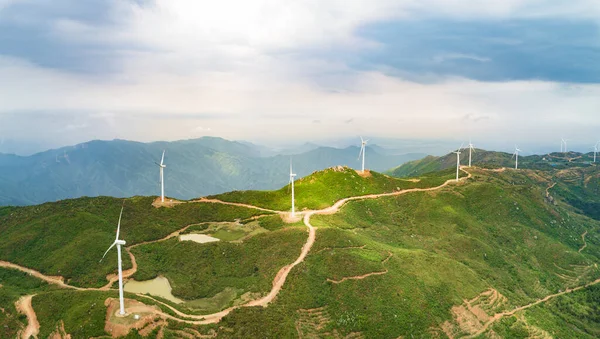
x=514, y=71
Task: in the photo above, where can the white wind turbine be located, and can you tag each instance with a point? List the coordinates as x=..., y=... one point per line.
x=516, y=156
x=457, y=152
x=596, y=150
x=471, y=150
x=363, y=143
x=292, y=176
x=162, y=177
x=564, y=141
x=118, y=243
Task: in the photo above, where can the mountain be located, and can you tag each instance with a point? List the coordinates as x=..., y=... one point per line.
x=492, y=159
x=195, y=168
x=499, y=254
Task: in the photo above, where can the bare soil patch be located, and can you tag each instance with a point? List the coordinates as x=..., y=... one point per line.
x=119, y=326
x=23, y=306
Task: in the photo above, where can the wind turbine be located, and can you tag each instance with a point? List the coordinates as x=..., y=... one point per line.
x=118, y=243
x=596, y=150
x=471, y=150
x=516, y=155
x=162, y=177
x=458, y=161
x=292, y=176
x=363, y=143
x=564, y=141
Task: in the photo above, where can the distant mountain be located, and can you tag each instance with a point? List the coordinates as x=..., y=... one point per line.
x=491, y=159
x=195, y=168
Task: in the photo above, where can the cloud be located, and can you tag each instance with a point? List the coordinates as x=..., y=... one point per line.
x=458, y=56
x=253, y=69
x=474, y=117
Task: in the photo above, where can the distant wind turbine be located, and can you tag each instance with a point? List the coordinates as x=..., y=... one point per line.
x=363, y=144
x=516, y=156
x=162, y=177
x=292, y=176
x=118, y=243
x=458, y=161
x=596, y=150
x=471, y=150
x=564, y=141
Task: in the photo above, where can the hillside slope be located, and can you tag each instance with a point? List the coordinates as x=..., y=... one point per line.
x=492, y=159
x=195, y=168
x=499, y=254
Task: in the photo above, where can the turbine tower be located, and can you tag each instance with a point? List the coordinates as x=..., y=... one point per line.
x=292, y=176
x=118, y=243
x=162, y=177
x=564, y=141
x=596, y=150
x=363, y=143
x=471, y=150
x=516, y=156
x=458, y=161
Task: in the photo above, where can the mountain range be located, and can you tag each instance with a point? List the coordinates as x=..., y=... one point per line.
x=195, y=168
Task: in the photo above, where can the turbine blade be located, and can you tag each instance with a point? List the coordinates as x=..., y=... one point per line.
x=360, y=153
x=119, y=224
x=111, y=246
x=162, y=160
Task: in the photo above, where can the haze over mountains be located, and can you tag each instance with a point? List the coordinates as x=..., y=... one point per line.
x=195, y=168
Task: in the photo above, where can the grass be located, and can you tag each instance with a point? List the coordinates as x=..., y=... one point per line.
x=491, y=159
x=249, y=266
x=449, y=245
x=322, y=189
x=68, y=238
x=497, y=230
x=569, y=316
x=15, y=284
x=83, y=313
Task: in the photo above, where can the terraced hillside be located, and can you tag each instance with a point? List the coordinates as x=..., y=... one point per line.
x=501, y=253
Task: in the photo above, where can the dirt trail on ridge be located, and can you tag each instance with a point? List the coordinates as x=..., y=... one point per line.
x=279, y=279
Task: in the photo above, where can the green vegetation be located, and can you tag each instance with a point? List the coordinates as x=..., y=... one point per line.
x=83, y=313
x=322, y=189
x=13, y=285
x=498, y=231
x=69, y=237
x=204, y=270
x=580, y=187
x=574, y=315
x=490, y=159
x=387, y=267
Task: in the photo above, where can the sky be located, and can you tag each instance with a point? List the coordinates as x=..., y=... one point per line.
x=501, y=72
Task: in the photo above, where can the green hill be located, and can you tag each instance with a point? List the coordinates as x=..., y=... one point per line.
x=323, y=188
x=492, y=159
x=455, y=261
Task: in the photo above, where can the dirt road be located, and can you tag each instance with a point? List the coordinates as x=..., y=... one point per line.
x=23, y=305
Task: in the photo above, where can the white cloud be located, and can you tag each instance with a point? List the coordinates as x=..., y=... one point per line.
x=249, y=67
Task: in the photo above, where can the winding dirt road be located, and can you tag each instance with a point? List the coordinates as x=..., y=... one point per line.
x=23, y=305
x=584, y=243
x=279, y=279
x=501, y=315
